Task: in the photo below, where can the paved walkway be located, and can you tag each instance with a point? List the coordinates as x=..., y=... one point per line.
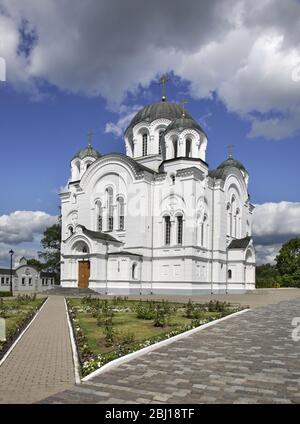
x=41, y=364
x=250, y=358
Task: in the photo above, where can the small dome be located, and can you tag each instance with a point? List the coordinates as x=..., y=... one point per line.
x=230, y=162
x=183, y=123
x=89, y=151
x=162, y=109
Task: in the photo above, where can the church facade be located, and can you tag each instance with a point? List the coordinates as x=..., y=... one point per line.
x=157, y=219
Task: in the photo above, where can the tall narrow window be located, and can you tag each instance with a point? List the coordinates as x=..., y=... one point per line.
x=167, y=230
x=110, y=210
x=121, y=213
x=179, y=229
x=161, y=133
x=188, y=148
x=99, y=217
x=145, y=144
x=175, y=148
x=133, y=271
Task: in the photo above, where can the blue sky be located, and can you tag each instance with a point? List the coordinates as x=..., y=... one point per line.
x=67, y=73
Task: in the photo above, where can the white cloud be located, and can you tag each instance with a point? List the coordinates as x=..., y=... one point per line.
x=23, y=226
x=244, y=51
x=266, y=254
x=274, y=224
x=118, y=128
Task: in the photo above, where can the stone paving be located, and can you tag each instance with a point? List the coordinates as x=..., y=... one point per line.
x=250, y=358
x=41, y=364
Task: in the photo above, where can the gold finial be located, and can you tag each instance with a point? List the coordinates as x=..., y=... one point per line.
x=163, y=80
x=230, y=146
x=90, y=137
x=183, y=103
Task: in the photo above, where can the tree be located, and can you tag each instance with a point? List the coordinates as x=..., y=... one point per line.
x=288, y=263
x=51, y=255
x=36, y=264
x=266, y=276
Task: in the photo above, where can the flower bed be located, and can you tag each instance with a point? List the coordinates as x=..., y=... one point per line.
x=107, y=330
x=18, y=312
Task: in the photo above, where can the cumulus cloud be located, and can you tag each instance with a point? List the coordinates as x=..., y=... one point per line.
x=23, y=226
x=274, y=224
x=246, y=52
x=126, y=115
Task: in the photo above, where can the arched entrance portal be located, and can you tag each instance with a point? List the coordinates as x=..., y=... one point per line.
x=82, y=249
x=83, y=274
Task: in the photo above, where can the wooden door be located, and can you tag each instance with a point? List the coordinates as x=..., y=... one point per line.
x=83, y=274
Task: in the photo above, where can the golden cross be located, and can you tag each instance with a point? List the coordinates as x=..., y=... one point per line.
x=230, y=146
x=163, y=79
x=183, y=102
x=90, y=136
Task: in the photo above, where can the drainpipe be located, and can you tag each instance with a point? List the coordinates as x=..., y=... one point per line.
x=226, y=270
x=212, y=237
x=152, y=225
x=106, y=268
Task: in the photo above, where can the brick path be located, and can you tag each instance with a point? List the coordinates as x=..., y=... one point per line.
x=250, y=358
x=41, y=363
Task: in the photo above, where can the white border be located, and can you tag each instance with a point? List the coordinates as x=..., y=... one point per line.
x=22, y=334
x=155, y=346
x=74, y=348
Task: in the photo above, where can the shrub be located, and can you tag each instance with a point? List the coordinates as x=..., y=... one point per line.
x=189, y=308
x=5, y=294
x=145, y=310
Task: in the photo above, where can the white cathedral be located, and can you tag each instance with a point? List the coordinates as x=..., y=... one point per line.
x=157, y=220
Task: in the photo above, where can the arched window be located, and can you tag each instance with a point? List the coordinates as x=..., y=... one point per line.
x=145, y=144
x=110, y=211
x=161, y=133
x=134, y=271
x=232, y=217
x=179, y=229
x=99, y=217
x=121, y=208
x=175, y=149
x=229, y=274
x=188, y=148
x=167, y=230
x=71, y=230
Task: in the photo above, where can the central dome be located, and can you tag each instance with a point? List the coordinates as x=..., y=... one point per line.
x=158, y=110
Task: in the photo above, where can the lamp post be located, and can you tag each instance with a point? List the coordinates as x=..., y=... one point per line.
x=11, y=252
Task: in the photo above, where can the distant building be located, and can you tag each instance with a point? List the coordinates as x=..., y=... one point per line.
x=26, y=278
x=157, y=220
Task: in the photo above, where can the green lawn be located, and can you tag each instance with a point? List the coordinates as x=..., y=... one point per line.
x=92, y=340
x=17, y=310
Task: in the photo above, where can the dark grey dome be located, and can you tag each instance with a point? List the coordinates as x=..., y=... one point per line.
x=230, y=162
x=158, y=110
x=183, y=123
x=89, y=151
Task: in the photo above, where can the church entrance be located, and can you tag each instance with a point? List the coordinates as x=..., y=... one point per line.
x=83, y=274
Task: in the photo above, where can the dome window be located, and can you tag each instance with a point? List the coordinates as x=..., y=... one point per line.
x=145, y=144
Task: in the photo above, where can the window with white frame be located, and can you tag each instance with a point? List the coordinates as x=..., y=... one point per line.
x=179, y=229
x=99, y=217
x=188, y=147
x=145, y=144
x=161, y=134
x=167, y=230
x=121, y=211
x=110, y=216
